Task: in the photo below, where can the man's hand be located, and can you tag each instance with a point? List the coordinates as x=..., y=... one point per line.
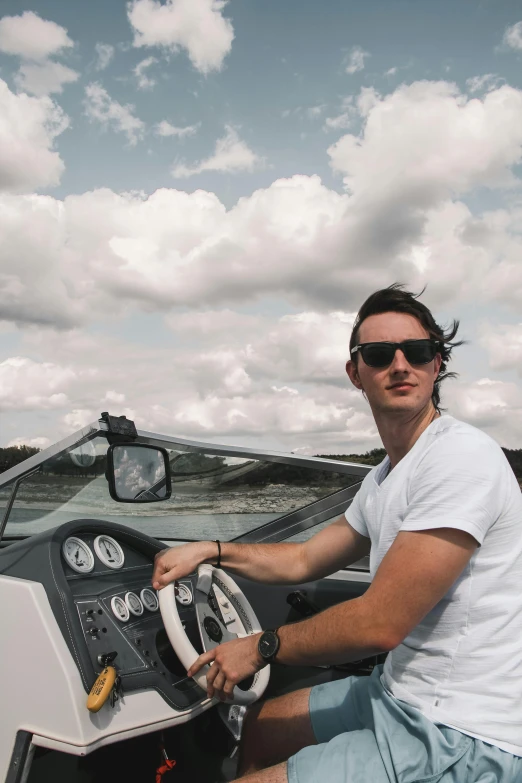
x=232, y=662
x=179, y=561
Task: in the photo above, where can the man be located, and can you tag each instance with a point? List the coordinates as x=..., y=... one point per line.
x=442, y=519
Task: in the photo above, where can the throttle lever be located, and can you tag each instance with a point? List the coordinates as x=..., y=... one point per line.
x=300, y=602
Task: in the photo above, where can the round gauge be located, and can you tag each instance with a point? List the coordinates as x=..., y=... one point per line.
x=134, y=604
x=120, y=609
x=150, y=599
x=184, y=595
x=78, y=555
x=109, y=551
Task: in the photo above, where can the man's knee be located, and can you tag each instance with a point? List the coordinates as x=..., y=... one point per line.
x=275, y=730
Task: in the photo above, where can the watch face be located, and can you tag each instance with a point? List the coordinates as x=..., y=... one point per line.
x=268, y=644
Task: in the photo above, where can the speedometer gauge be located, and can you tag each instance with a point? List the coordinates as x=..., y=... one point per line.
x=109, y=551
x=78, y=555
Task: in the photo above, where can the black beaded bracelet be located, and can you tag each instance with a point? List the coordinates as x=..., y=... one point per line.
x=218, y=564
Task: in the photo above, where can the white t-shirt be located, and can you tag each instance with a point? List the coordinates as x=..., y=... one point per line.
x=462, y=665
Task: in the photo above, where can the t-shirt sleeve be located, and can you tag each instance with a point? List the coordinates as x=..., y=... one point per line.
x=460, y=483
x=354, y=515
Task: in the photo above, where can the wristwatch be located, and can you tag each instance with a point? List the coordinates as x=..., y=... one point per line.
x=268, y=645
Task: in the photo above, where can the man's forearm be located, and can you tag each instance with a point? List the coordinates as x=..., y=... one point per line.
x=345, y=632
x=269, y=563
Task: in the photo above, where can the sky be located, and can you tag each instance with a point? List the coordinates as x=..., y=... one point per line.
x=196, y=197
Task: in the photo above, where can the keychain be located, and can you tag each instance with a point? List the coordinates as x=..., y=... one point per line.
x=102, y=689
x=108, y=684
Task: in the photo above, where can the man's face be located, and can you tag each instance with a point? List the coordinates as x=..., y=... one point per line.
x=401, y=387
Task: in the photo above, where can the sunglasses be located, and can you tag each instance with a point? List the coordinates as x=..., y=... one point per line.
x=382, y=354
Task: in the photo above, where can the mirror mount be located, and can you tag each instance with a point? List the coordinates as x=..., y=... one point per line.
x=120, y=429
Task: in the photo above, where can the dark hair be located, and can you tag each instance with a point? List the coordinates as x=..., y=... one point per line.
x=396, y=299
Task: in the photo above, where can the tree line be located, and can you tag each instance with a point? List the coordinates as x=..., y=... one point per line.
x=373, y=457
x=13, y=455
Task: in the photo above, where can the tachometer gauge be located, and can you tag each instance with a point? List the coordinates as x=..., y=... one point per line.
x=120, y=609
x=109, y=551
x=150, y=599
x=134, y=604
x=184, y=594
x=78, y=555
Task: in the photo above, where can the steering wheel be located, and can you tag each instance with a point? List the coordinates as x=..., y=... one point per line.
x=223, y=613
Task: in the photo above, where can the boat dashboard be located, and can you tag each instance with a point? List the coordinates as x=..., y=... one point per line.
x=97, y=576
x=69, y=597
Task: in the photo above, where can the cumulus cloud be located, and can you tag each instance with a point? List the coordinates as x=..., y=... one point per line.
x=273, y=382
x=250, y=377
x=292, y=415
x=30, y=385
x=349, y=113
x=297, y=239
x=104, y=55
x=165, y=129
x=503, y=343
x=248, y=353
x=101, y=108
x=28, y=128
x=339, y=122
x=31, y=37
x=313, y=112
x=230, y=154
x=218, y=325
x=144, y=82
x=198, y=26
x=78, y=418
x=45, y=77
x=306, y=347
x=34, y=40
x=513, y=36
x=492, y=405
x=70, y=380
x=355, y=60
x=114, y=397
x=487, y=81
x=419, y=144
x=37, y=443
x=221, y=386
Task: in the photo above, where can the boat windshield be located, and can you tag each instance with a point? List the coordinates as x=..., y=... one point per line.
x=213, y=495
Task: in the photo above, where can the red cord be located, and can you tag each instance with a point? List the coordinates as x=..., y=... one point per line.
x=166, y=767
x=169, y=763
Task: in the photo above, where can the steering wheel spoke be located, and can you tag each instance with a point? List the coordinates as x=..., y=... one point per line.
x=212, y=628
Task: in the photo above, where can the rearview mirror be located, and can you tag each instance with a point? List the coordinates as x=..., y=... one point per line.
x=138, y=473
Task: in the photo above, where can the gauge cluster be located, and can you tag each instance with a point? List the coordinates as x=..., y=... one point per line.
x=118, y=611
x=79, y=556
x=102, y=555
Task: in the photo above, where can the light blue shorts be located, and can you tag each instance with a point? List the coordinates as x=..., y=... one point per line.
x=365, y=735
